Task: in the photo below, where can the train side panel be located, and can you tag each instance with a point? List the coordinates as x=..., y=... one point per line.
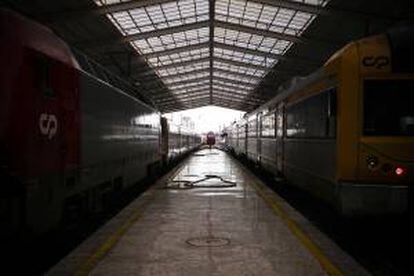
x=310, y=153
x=268, y=142
x=241, y=137
x=251, y=141
x=119, y=135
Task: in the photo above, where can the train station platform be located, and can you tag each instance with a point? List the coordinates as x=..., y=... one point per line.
x=210, y=216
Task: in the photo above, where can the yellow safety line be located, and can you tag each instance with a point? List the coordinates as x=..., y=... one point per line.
x=326, y=264
x=93, y=259
x=113, y=239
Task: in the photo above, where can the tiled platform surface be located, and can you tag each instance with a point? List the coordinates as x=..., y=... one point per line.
x=205, y=228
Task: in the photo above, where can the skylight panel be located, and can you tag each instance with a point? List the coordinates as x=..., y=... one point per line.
x=189, y=85
x=219, y=86
x=179, y=57
x=192, y=77
x=169, y=50
x=243, y=57
x=243, y=70
x=263, y=16
x=235, y=77
x=229, y=83
x=108, y=2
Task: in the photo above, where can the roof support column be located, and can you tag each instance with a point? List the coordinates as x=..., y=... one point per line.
x=212, y=4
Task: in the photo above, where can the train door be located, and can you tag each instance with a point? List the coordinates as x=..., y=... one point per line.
x=279, y=136
x=259, y=140
x=164, y=140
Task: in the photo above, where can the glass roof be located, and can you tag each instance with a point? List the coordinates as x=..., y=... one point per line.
x=230, y=55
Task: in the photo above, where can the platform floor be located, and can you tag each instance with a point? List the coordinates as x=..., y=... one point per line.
x=188, y=226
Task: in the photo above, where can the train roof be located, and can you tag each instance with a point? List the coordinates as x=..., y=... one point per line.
x=400, y=44
x=295, y=85
x=35, y=36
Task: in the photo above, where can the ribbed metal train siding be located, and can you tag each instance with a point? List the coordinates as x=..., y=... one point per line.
x=115, y=143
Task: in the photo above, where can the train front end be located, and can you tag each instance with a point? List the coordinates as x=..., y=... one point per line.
x=211, y=139
x=384, y=159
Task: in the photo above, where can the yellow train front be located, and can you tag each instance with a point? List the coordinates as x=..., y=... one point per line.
x=345, y=133
x=375, y=143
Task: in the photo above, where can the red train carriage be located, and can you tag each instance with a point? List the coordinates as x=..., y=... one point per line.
x=69, y=142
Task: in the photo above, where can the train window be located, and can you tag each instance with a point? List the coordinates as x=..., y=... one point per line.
x=314, y=117
x=388, y=108
x=268, y=125
x=252, y=128
x=44, y=68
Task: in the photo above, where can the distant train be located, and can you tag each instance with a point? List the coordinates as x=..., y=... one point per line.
x=69, y=141
x=346, y=132
x=210, y=139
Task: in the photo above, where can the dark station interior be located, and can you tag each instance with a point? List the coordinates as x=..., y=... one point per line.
x=206, y=137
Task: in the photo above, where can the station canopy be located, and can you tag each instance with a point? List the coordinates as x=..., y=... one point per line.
x=211, y=52
x=230, y=53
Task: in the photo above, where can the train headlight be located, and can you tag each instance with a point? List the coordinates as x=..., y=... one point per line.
x=372, y=162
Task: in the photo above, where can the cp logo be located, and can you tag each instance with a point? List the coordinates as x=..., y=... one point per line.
x=48, y=125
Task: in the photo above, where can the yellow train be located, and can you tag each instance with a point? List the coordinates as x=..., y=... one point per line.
x=346, y=132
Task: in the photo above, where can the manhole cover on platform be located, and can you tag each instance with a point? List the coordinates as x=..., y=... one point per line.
x=208, y=242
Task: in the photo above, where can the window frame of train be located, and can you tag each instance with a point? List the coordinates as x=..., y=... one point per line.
x=269, y=117
x=252, y=120
x=384, y=111
x=306, y=127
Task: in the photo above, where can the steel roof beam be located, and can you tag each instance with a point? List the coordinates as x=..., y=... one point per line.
x=166, y=31
x=201, y=90
x=189, y=97
x=232, y=88
x=177, y=50
x=206, y=70
x=245, y=79
x=97, y=43
x=319, y=10
x=241, y=101
x=190, y=85
x=297, y=6
x=172, y=95
x=181, y=82
x=235, y=107
x=238, y=106
x=223, y=60
x=246, y=96
x=212, y=13
x=184, y=63
x=242, y=64
x=130, y=5
x=190, y=105
x=261, y=53
x=228, y=104
x=206, y=98
x=199, y=100
x=236, y=82
x=102, y=10
x=179, y=75
x=229, y=93
x=249, y=51
x=196, y=85
x=256, y=31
